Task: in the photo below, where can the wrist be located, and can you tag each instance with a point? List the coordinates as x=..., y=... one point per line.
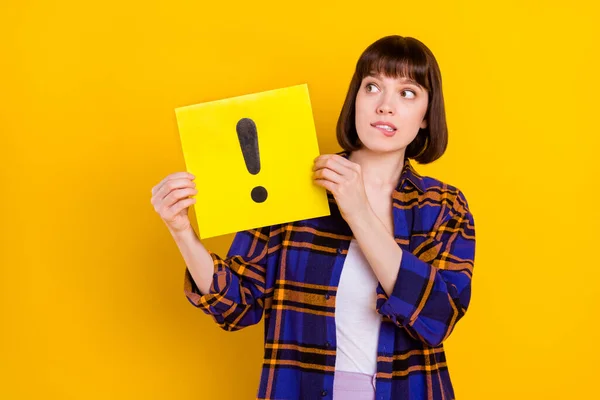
x=183, y=234
x=363, y=217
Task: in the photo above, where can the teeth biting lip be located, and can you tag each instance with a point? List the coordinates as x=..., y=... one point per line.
x=386, y=128
x=384, y=125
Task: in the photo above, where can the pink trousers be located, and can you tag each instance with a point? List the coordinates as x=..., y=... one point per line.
x=353, y=386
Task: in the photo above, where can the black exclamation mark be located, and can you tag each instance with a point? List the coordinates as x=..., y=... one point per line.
x=248, y=138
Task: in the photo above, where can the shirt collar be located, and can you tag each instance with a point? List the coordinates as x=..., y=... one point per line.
x=408, y=173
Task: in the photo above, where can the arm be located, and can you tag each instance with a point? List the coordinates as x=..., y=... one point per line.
x=197, y=259
x=231, y=288
x=426, y=291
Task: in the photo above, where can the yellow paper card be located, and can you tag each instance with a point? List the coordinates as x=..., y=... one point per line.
x=252, y=156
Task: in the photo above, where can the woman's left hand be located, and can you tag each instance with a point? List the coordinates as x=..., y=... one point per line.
x=343, y=178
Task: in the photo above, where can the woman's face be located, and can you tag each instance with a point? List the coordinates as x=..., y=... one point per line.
x=389, y=112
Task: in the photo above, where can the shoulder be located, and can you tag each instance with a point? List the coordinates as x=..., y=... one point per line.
x=447, y=191
x=436, y=192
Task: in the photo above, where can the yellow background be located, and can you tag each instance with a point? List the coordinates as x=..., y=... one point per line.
x=91, y=284
x=287, y=145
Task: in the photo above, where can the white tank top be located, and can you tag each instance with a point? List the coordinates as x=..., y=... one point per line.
x=357, y=321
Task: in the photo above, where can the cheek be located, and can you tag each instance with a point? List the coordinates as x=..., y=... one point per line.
x=361, y=111
x=412, y=115
x=421, y=109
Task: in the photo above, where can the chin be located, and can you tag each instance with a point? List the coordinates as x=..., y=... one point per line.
x=383, y=146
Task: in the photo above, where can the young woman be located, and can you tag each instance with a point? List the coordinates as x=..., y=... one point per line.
x=357, y=304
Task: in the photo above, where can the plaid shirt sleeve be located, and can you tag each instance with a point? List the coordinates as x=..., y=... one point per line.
x=433, y=285
x=235, y=297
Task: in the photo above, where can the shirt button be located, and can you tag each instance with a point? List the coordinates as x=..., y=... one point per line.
x=327, y=296
x=327, y=344
x=324, y=393
x=340, y=251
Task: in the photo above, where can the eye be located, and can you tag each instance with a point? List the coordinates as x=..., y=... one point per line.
x=368, y=85
x=410, y=91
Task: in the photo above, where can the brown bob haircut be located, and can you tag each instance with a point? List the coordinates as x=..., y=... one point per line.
x=400, y=57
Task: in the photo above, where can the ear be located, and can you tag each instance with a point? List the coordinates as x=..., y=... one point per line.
x=424, y=123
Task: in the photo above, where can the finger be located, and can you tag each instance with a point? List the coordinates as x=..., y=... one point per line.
x=176, y=175
x=176, y=195
x=344, y=161
x=341, y=160
x=180, y=205
x=326, y=184
x=160, y=184
x=350, y=165
x=170, y=185
x=331, y=163
x=328, y=174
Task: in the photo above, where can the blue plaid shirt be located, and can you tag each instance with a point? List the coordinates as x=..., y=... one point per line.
x=290, y=273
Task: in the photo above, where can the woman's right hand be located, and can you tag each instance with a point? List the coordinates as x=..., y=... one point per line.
x=170, y=200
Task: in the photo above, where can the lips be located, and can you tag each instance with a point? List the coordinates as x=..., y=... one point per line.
x=385, y=124
x=387, y=128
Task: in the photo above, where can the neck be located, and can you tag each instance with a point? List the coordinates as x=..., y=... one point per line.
x=380, y=170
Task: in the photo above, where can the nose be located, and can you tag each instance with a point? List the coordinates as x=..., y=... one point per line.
x=385, y=108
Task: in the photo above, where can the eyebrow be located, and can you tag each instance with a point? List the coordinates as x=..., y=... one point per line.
x=403, y=80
